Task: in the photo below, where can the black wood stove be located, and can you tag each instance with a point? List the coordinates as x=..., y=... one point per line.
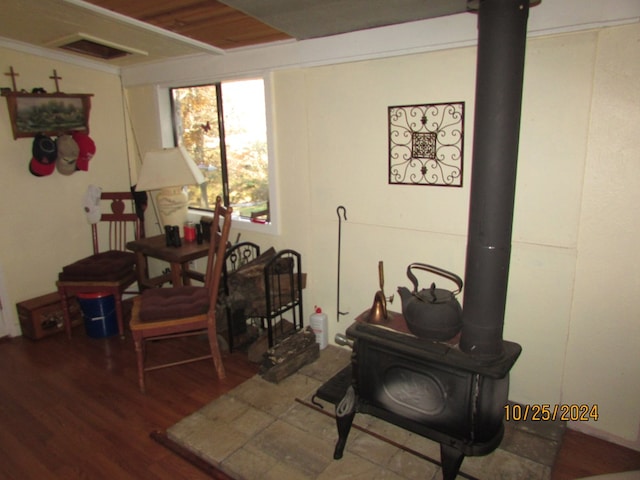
x=454, y=392
x=430, y=388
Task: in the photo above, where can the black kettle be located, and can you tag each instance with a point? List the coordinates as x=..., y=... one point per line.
x=432, y=313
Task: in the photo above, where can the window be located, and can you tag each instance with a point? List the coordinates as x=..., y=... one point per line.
x=223, y=127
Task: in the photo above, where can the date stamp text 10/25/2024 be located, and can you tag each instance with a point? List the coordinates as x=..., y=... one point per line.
x=550, y=412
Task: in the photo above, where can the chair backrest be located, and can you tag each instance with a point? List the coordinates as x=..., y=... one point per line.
x=217, y=248
x=120, y=222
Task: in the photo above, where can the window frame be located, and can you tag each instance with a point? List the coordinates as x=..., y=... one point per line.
x=165, y=114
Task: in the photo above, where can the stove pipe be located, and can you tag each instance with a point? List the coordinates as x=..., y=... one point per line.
x=502, y=27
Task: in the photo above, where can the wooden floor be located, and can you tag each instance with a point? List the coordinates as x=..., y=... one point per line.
x=582, y=456
x=72, y=410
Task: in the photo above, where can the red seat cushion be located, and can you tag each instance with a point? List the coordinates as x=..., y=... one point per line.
x=106, y=266
x=177, y=302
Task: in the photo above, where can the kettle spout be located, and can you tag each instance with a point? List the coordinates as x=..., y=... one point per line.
x=405, y=295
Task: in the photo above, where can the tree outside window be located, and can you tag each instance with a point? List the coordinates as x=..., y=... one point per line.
x=223, y=127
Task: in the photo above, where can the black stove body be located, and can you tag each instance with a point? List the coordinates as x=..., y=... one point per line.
x=429, y=388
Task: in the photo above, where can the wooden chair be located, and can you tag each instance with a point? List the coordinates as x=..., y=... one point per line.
x=181, y=311
x=110, y=270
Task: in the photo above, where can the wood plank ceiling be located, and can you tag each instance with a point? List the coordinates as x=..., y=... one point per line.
x=176, y=28
x=207, y=21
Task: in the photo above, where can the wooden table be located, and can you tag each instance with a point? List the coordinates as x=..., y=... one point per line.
x=177, y=257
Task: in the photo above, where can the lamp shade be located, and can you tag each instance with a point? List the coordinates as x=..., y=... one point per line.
x=168, y=170
x=168, y=167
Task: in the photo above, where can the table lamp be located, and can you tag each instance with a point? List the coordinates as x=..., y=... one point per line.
x=168, y=170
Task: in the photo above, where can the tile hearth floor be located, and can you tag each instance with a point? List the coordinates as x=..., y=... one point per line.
x=259, y=431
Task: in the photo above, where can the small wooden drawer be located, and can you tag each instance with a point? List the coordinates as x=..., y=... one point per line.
x=42, y=316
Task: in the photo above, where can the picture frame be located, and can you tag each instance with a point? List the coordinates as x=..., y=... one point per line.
x=52, y=114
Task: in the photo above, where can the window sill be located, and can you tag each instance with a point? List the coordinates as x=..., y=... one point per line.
x=239, y=223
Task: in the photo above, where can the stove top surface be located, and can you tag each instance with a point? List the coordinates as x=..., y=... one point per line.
x=395, y=334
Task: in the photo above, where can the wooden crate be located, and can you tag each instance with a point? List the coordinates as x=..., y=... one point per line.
x=42, y=316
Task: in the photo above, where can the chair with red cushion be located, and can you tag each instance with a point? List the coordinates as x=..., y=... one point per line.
x=111, y=270
x=164, y=313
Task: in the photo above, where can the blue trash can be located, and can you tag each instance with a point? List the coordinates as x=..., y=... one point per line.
x=99, y=313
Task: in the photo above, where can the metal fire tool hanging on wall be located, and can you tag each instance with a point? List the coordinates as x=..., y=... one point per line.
x=344, y=214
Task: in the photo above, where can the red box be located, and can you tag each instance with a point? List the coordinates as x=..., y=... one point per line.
x=42, y=316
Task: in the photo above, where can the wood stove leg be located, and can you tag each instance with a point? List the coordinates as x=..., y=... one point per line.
x=451, y=459
x=345, y=412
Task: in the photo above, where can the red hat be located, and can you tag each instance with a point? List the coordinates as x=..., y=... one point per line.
x=44, y=153
x=40, y=169
x=87, y=149
x=44, y=149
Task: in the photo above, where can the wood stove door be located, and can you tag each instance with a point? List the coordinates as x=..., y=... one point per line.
x=425, y=396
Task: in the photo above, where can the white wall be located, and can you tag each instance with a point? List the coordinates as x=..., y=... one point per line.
x=574, y=272
x=331, y=150
x=43, y=223
x=345, y=114
x=572, y=300
x=603, y=349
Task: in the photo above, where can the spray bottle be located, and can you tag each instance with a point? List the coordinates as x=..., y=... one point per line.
x=318, y=322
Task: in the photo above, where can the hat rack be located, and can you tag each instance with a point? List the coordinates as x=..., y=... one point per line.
x=39, y=112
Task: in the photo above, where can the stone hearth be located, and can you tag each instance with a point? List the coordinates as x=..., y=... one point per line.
x=259, y=430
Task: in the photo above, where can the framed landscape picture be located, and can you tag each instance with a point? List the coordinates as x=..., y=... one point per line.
x=52, y=114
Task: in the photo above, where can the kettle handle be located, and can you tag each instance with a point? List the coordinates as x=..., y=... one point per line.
x=438, y=271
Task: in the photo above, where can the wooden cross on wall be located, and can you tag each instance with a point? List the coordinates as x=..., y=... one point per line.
x=13, y=76
x=55, y=78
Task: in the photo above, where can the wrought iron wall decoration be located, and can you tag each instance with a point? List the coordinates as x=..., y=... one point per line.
x=426, y=144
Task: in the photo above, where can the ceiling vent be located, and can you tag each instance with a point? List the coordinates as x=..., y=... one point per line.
x=95, y=47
